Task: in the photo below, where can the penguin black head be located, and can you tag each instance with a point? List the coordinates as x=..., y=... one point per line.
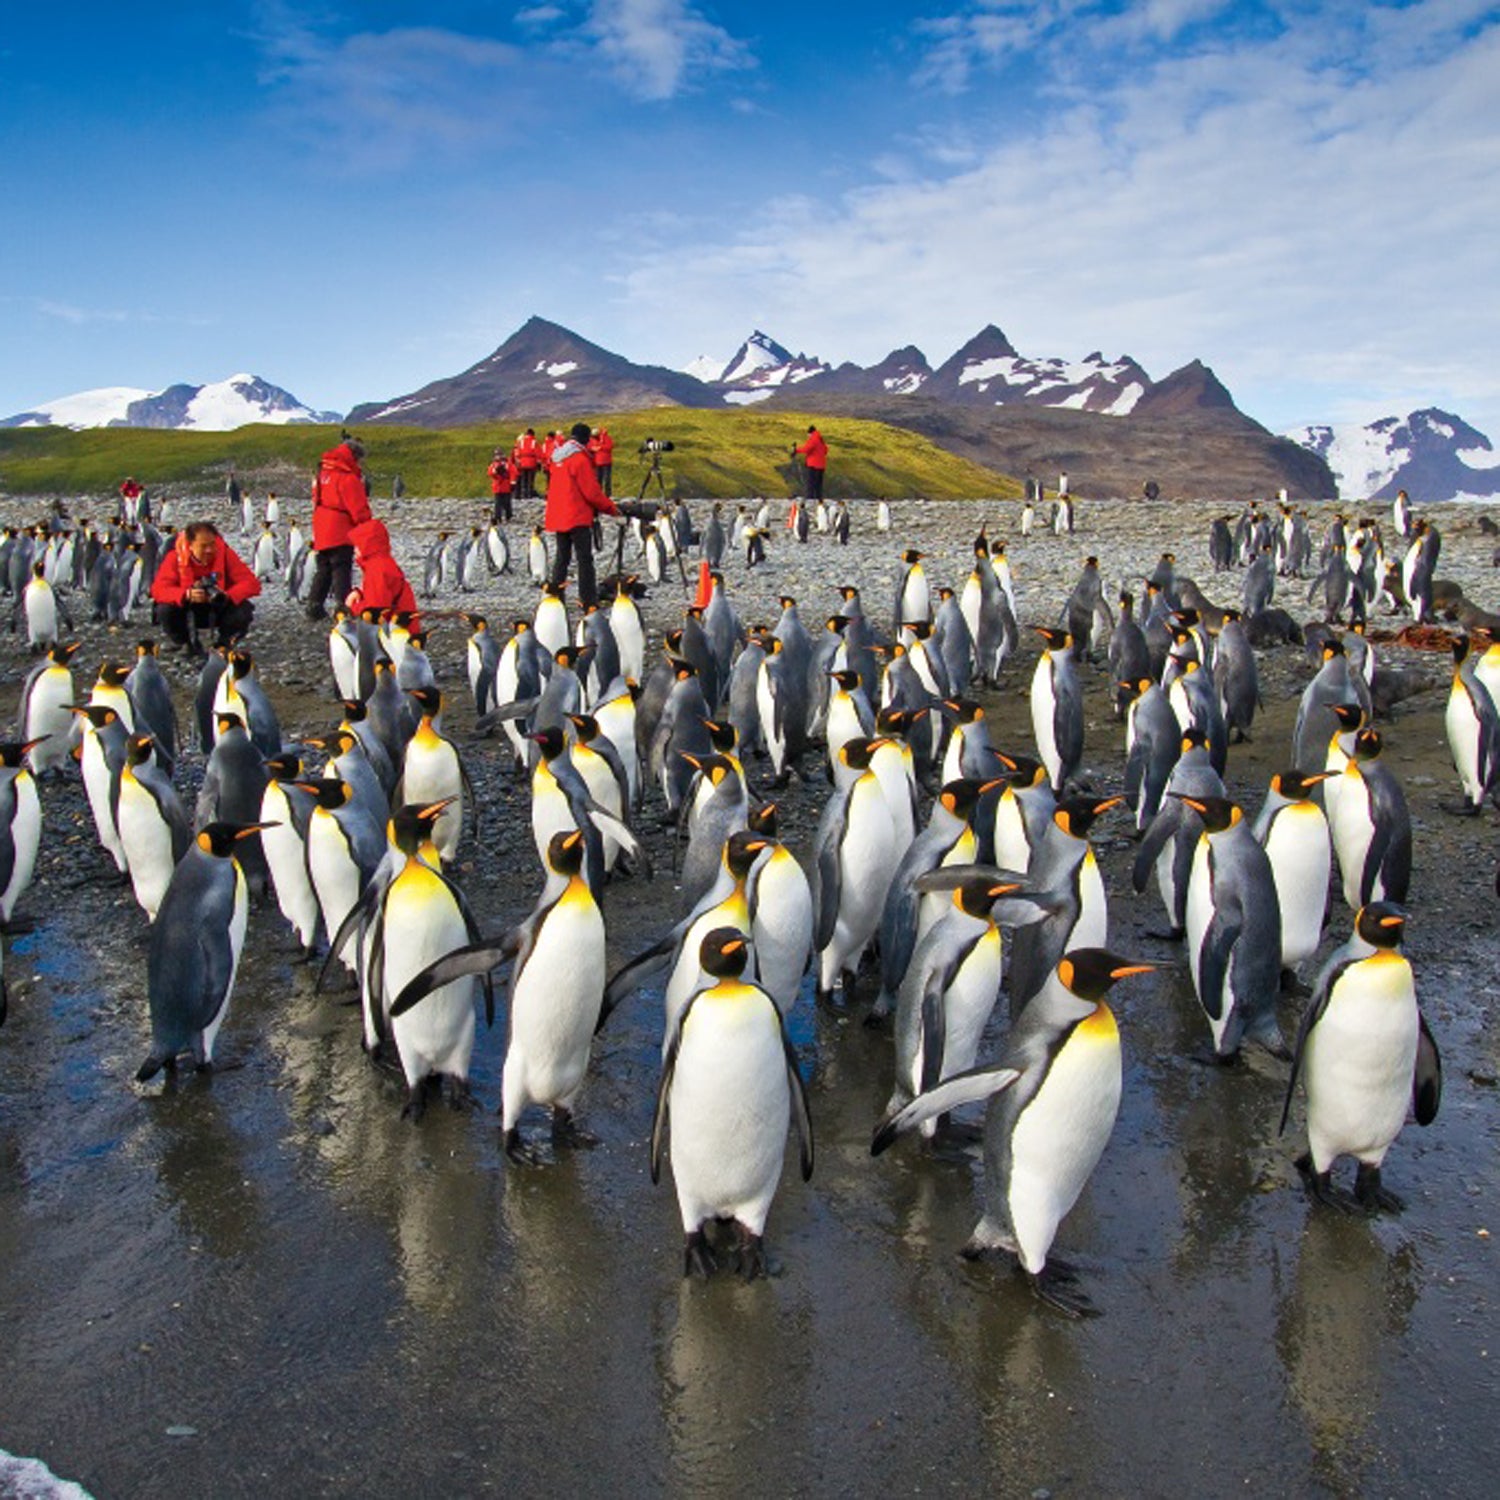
x=1382, y=924
x=1367, y=745
x=1459, y=644
x=60, y=655
x=284, y=767
x=1054, y=640
x=13, y=753
x=1349, y=715
x=332, y=792
x=724, y=953
x=354, y=710
x=113, y=674
x=1295, y=786
x=138, y=749
x=241, y=663
x=963, y=710
x=846, y=679
x=219, y=839
x=857, y=752
x=763, y=820
x=145, y=648
x=961, y=797
x=98, y=714
x=550, y=741
x=411, y=824
x=722, y=735
x=1332, y=647
x=1024, y=770
x=911, y=556
x=1193, y=738
x=1218, y=813
x=1076, y=815
x=976, y=894
x=1187, y=617
x=565, y=852
x=429, y=700
x=742, y=850
x=586, y=726
x=476, y=623
x=1090, y=973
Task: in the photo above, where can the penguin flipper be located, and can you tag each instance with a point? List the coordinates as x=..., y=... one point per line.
x=971, y=1087
x=1213, y=956
x=664, y=1089
x=934, y=1028
x=1158, y=831
x=1310, y=1018
x=801, y=1114
x=1427, y=1079
x=481, y=957
x=625, y=979
x=950, y=877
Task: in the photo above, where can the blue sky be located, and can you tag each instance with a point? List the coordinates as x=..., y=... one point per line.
x=351, y=200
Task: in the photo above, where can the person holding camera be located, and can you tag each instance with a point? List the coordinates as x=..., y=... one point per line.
x=814, y=453
x=341, y=501
x=202, y=583
x=574, y=498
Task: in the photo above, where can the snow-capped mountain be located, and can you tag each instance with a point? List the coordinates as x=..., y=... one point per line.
x=1430, y=454
x=760, y=367
x=218, y=407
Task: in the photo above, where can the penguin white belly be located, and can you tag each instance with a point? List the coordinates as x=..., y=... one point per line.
x=625, y=621
x=916, y=602
x=1298, y=849
x=335, y=880
x=422, y=924
x=550, y=812
x=147, y=841
x=47, y=715
x=554, y=1007
x=765, y=698
x=41, y=616
x=1091, y=930
x=969, y=1002
x=605, y=790
x=616, y=721
x=1351, y=830
x=1199, y=911
x=1012, y=849
x=286, y=855
x=953, y=757
x=843, y=724
x=1332, y=789
x=729, y=1111
x=1059, y=1136
x=26, y=834
x=1043, y=727
x=1358, y=1062
x=552, y=624
x=782, y=928
x=96, y=783
x=238, y=918
x=344, y=660
x=1463, y=742
x=895, y=787
x=867, y=862
x=431, y=774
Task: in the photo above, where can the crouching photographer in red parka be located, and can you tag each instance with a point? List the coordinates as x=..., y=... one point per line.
x=202, y=584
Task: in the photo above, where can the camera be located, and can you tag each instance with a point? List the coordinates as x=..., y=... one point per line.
x=209, y=581
x=656, y=445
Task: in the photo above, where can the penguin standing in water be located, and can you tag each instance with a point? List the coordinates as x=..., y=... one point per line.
x=285, y=811
x=728, y=1085
x=1171, y=838
x=556, y=993
x=1057, y=708
x=1293, y=831
x=1233, y=931
x=195, y=949
x=1053, y=1098
x=1365, y=1056
x=101, y=759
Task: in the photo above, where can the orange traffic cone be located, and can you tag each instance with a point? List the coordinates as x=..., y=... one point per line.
x=705, y=586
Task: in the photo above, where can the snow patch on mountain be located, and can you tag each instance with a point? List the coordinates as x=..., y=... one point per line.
x=1432, y=454
x=218, y=407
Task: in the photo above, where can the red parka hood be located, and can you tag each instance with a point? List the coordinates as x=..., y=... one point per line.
x=370, y=539
x=341, y=458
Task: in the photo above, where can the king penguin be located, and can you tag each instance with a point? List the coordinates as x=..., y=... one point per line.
x=1366, y=1057
x=1053, y=1098
x=1057, y=708
x=195, y=949
x=20, y=826
x=153, y=824
x=728, y=1085
x=1293, y=831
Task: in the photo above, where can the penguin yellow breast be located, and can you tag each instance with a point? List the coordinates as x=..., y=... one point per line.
x=1100, y=1026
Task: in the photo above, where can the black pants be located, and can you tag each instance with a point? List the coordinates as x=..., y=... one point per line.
x=334, y=569
x=526, y=484
x=502, y=509
x=581, y=541
x=227, y=621
x=606, y=477
x=814, y=483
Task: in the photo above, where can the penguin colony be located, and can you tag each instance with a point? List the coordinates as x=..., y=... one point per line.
x=954, y=868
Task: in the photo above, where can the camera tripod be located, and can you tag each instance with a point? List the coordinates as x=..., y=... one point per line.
x=653, y=471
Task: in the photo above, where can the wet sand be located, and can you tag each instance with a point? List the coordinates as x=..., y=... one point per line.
x=311, y=1292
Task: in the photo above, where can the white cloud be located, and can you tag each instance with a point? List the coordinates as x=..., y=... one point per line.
x=656, y=48
x=1296, y=210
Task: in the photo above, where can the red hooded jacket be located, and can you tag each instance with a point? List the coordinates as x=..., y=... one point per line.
x=339, y=499
x=500, y=476
x=574, y=494
x=602, y=446
x=382, y=584
x=179, y=573
x=814, y=450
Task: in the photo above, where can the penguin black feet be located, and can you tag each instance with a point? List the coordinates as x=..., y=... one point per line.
x=1206, y=1057
x=698, y=1256
x=517, y=1150
x=1461, y=809
x=17, y=926
x=417, y=1096
x=1056, y=1285
x=566, y=1131
x=460, y=1096
x=749, y=1253
x=1321, y=1189
x=1369, y=1194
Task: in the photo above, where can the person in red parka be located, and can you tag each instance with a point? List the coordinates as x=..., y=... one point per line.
x=815, y=455
x=382, y=584
x=341, y=501
x=602, y=451
x=501, y=483
x=574, y=498
x=525, y=458
x=201, y=581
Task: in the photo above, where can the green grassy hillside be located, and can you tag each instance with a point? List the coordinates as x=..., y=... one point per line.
x=717, y=454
